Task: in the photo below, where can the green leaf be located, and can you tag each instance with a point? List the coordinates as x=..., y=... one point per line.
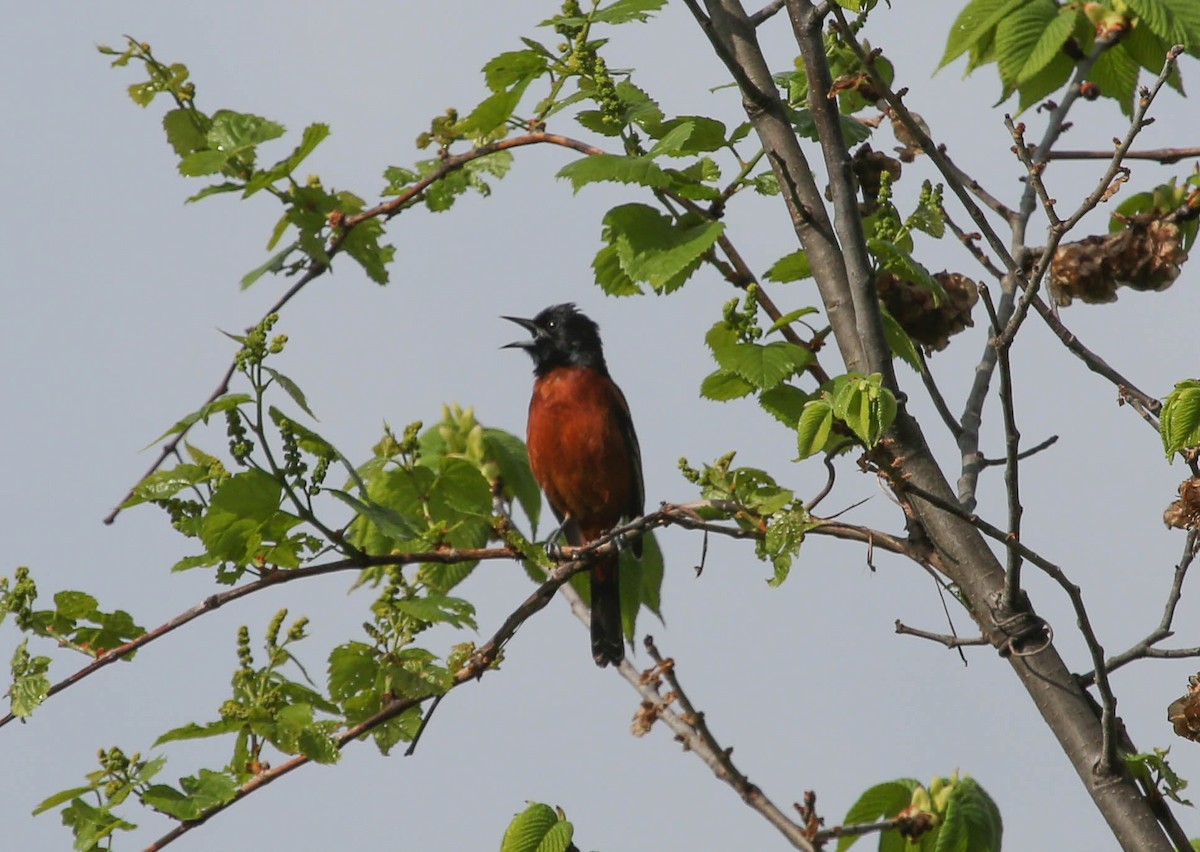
x=30, y=685
x=610, y=276
x=529, y=829
x=193, y=731
x=790, y=267
x=217, y=406
x=1018, y=34
x=654, y=249
x=624, y=11
x=232, y=132
x=1116, y=73
x=200, y=793
x=763, y=365
x=724, y=385
x=704, y=135
x=896, y=260
x=883, y=801
x=785, y=403
x=972, y=821
x=611, y=167
x=362, y=243
x=781, y=544
x=866, y=406
x=273, y=264
x=186, y=130
x=1179, y=423
x=509, y=454
x=167, y=483
x=974, y=23
x=75, y=605
x=506, y=70
x=789, y=318
x=1049, y=43
x=292, y=389
x=1047, y=81
x=1160, y=18
x=313, y=136
x=814, y=427
x=493, y=111
x=60, y=797
x=1187, y=13
x=899, y=342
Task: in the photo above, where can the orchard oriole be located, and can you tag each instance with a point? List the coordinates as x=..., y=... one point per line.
x=583, y=452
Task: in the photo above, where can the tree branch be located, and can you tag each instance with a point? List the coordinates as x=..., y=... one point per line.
x=1165, y=156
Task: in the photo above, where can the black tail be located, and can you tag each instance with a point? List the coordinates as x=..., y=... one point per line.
x=608, y=642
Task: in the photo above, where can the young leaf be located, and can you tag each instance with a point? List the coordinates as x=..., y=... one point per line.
x=611, y=167
x=529, y=829
x=790, y=267
x=654, y=249
x=882, y=801
x=1179, y=423
x=973, y=24
x=972, y=820
x=624, y=11
x=813, y=427
x=724, y=385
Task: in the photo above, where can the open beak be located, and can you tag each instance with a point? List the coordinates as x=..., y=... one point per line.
x=526, y=324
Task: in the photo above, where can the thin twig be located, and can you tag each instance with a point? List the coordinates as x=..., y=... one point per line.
x=1145, y=648
x=952, y=642
x=1166, y=156
x=386, y=211
x=1021, y=456
x=1108, y=700
x=691, y=729
x=473, y=669
x=939, y=401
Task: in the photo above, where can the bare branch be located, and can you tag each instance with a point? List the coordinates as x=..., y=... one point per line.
x=952, y=642
x=1024, y=454
x=1166, y=156
x=766, y=12
x=1145, y=648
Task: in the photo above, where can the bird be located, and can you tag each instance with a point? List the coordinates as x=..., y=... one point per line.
x=583, y=452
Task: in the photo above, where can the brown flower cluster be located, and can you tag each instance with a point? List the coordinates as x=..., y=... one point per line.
x=1184, y=513
x=912, y=306
x=1144, y=255
x=1184, y=713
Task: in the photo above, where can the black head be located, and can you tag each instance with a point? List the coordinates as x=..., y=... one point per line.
x=562, y=337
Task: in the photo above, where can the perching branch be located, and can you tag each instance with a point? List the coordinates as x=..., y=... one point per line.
x=1165, y=156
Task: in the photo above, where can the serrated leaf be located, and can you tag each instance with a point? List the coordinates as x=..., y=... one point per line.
x=508, y=69
x=1116, y=73
x=654, y=249
x=790, y=267
x=362, y=243
x=75, y=605
x=493, y=111
x=624, y=11
x=764, y=365
x=899, y=342
x=167, y=483
x=529, y=828
x=612, y=167
x=724, y=385
x=1179, y=423
x=977, y=19
x=1049, y=44
x=1017, y=34
x=813, y=427
x=785, y=403
x=186, y=130
x=610, y=276
x=1187, y=13
x=972, y=820
x=1160, y=18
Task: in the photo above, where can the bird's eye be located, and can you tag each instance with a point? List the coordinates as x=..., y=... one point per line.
x=551, y=325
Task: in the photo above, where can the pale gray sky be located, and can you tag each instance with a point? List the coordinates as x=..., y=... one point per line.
x=115, y=290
